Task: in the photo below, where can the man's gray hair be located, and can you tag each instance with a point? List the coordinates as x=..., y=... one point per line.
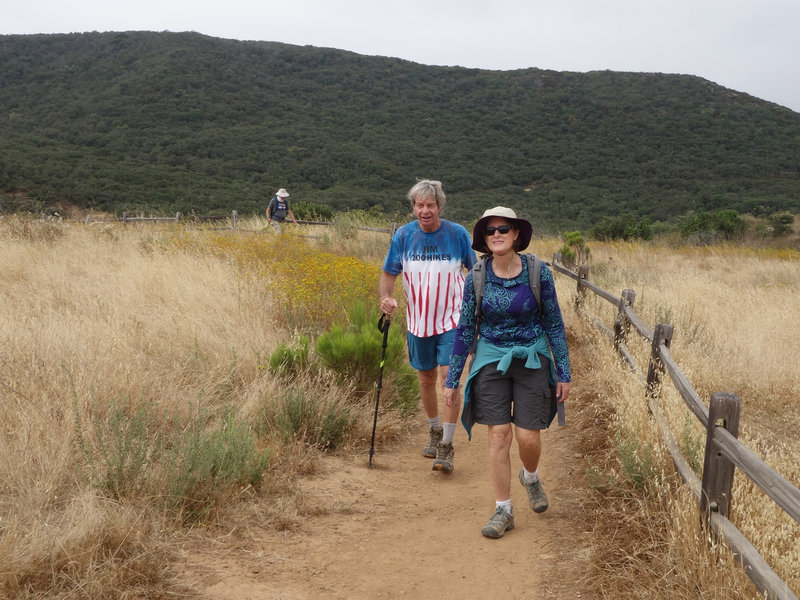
x=427, y=188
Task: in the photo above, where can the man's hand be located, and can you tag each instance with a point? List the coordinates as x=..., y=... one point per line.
x=388, y=305
x=386, y=291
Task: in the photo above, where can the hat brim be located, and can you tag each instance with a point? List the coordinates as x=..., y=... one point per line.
x=479, y=239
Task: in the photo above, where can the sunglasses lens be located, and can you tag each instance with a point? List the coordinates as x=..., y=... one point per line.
x=502, y=229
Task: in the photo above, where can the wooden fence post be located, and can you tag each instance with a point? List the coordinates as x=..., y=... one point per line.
x=234, y=216
x=124, y=218
x=583, y=274
x=723, y=411
x=621, y=324
x=662, y=334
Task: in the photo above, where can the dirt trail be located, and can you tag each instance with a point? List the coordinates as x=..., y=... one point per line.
x=401, y=530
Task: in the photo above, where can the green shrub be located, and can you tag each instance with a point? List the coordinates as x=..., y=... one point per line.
x=290, y=358
x=298, y=417
x=354, y=351
x=309, y=211
x=205, y=463
x=336, y=426
x=124, y=442
x=623, y=227
x=709, y=227
x=781, y=223
x=574, y=252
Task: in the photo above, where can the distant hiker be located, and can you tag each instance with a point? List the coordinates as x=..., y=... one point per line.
x=521, y=361
x=278, y=209
x=432, y=253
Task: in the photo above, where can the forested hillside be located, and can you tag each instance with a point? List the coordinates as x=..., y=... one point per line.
x=166, y=122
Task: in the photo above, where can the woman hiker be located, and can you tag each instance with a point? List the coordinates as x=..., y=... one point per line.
x=521, y=361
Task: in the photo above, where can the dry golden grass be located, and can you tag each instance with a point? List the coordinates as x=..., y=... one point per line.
x=97, y=316
x=180, y=318
x=730, y=308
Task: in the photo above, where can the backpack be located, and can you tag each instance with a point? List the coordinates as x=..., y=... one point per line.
x=479, y=282
x=278, y=208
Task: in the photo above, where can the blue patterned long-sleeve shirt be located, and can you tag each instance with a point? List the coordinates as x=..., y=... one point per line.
x=510, y=318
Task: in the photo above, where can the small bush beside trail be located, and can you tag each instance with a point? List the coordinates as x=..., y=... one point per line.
x=353, y=352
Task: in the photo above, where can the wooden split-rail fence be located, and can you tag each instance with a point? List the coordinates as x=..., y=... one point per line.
x=234, y=221
x=724, y=453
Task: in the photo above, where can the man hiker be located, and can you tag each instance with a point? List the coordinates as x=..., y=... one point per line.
x=278, y=209
x=433, y=255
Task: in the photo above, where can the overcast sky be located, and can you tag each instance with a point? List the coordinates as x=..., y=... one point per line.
x=751, y=46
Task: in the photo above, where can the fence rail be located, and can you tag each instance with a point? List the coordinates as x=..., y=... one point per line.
x=234, y=219
x=723, y=452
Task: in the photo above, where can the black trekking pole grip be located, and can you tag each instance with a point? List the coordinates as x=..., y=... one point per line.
x=383, y=327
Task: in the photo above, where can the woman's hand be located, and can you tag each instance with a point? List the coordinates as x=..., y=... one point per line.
x=562, y=390
x=450, y=397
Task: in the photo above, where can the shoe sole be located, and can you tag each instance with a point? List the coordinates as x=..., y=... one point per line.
x=441, y=467
x=429, y=454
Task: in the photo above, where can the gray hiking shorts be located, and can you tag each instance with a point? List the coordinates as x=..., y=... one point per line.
x=521, y=396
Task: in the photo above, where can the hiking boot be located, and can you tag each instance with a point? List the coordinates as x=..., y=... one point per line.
x=536, y=496
x=500, y=522
x=444, y=458
x=429, y=451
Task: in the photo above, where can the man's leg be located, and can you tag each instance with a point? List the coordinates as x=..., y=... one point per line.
x=430, y=404
x=427, y=392
x=444, y=347
x=444, y=451
x=450, y=414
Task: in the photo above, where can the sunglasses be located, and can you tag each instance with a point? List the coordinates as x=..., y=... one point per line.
x=502, y=229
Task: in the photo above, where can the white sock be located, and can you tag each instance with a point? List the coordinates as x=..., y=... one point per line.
x=433, y=421
x=505, y=505
x=530, y=477
x=449, y=432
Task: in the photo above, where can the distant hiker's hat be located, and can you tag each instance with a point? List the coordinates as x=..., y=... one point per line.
x=282, y=193
x=524, y=227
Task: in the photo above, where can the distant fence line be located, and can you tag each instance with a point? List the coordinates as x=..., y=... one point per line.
x=234, y=221
x=723, y=451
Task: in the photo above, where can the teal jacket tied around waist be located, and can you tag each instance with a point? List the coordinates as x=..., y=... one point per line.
x=486, y=353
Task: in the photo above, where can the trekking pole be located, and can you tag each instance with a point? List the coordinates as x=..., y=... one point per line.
x=383, y=327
